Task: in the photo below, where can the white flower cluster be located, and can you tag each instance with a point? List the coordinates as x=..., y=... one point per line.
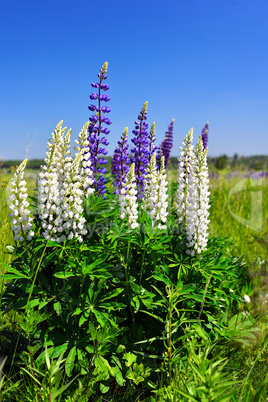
x=185, y=169
x=77, y=184
x=62, y=183
x=193, y=194
x=155, y=193
x=21, y=221
x=128, y=199
x=82, y=146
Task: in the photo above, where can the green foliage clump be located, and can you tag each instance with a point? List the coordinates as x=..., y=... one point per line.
x=122, y=314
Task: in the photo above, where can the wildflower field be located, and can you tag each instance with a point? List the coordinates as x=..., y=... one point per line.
x=132, y=280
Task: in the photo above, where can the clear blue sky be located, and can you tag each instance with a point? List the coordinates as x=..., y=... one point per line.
x=192, y=60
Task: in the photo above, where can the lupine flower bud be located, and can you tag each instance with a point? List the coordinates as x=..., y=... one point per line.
x=21, y=221
x=128, y=199
x=204, y=135
x=120, y=162
x=246, y=298
x=155, y=193
x=140, y=150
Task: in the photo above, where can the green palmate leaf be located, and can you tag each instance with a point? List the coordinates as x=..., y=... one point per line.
x=34, y=302
x=188, y=395
x=10, y=248
x=58, y=350
x=69, y=363
x=111, y=294
x=57, y=307
x=152, y=315
x=13, y=273
x=43, y=304
x=130, y=359
x=103, y=365
x=63, y=274
x=104, y=388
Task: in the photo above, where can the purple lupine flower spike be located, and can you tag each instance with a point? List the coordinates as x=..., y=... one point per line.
x=152, y=146
x=140, y=150
x=95, y=131
x=120, y=162
x=166, y=145
x=204, y=135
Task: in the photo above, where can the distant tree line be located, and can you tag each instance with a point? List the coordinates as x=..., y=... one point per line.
x=237, y=162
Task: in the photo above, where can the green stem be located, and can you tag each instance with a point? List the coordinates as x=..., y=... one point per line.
x=127, y=280
x=142, y=263
x=204, y=297
x=33, y=373
x=35, y=276
x=170, y=345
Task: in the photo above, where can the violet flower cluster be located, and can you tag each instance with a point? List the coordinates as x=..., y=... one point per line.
x=120, y=162
x=166, y=145
x=204, y=136
x=97, y=142
x=140, y=150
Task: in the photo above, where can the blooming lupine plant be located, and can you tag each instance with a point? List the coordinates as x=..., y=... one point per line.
x=118, y=290
x=96, y=130
x=166, y=145
x=120, y=162
x=21, y=221
x=140, y=150
x=128, y=199
x=204, y=136
x=155, y=193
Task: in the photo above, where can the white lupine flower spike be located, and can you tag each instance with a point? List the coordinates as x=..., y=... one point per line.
x=128, y=199
x=155, y=195
x=185, y=167
x=202, y=200
x=50, y=186
x=62, y=184
x=193, y=193
x=82, y=146
x=21, y=221
x=72, y=204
